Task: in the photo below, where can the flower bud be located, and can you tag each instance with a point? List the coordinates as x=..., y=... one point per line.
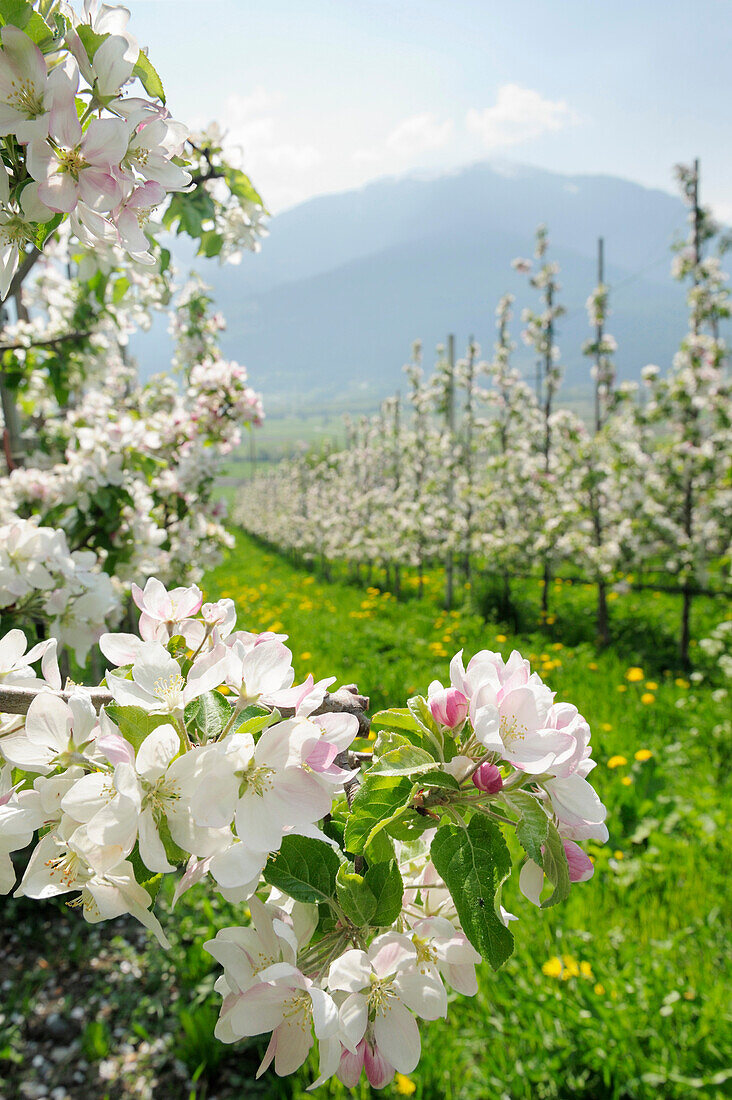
x=488, y=778
x=449, y=707
x=581, y=866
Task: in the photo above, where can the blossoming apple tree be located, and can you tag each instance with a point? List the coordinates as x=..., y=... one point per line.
x=372, y=871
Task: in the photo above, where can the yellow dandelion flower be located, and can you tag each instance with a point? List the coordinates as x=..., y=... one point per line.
x=619, y=854
x=651, y=685
x=553, y=967
x=557, y=646
x=501, y=638
x=592, y=666
x=305, y=656
x=634, y=675
x=681, y=683
x=404, y=1085
x=626, y=780
x=622, y=687
x=585, y=970
x=643, y=754
x=647, y=698
x=616, y=762
x=571, y=968
x=599, y=989
x=606, y=727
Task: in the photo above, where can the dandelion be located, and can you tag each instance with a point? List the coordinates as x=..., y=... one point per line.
x=599, y=989
x=619, y=854
x=651, y=685
x=647, y=698
x=681, y=683
x=616, y=762
x=592, y=666
x=585, y=970
x=626, y=780
x=501, y=638
x=634, y=675
x=405, y=1086
x=606, y=727
x=305, y=656
x=622, y=687
x=553, y=967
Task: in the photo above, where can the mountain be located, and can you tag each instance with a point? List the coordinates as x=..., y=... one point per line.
x=344, y=283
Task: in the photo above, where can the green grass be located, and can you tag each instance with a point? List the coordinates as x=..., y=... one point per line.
x=637, y=1008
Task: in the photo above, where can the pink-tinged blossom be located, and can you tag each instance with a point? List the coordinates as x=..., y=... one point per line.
x=24, y=87
x=487, y=777
x=385, y=985
x=449, y=707
x=368, y=1057
x=289, y=1005
x=79, y=166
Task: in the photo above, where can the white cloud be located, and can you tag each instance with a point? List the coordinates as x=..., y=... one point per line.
x=419, y=134
x=519, y=114
x=405, y=144
x=255, y=129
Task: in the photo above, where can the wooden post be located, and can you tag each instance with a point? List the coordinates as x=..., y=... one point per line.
x=686, y=591
x=450, y=425
x=469, y=425
x=599, y=335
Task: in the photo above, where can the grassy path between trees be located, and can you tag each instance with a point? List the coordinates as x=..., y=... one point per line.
x=618, y=993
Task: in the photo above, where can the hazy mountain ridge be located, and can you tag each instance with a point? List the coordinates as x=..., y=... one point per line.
x=346, y=282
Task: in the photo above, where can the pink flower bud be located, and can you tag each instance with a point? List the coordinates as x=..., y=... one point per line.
x=449, y=707
x=379, y=1072
x=581, y=866
x=488, y=778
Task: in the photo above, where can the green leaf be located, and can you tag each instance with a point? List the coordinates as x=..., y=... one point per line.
x=121, y=286
x=395, y=719
x=17, y=12
x=211, y=243
x=304, y=868
x=135, y=724
x=354, y=896
x=473, y=864
x=254, y=720
x=90, y=40
x=555, y=866
x=439, y=778
x=39, y=32
x=533, y=824
x=385, y=883
x=420, y=710
x=379, y=799
x=148, y=76
x=242, y=187
x=209, y=713
x=410, y=826
x=406, y=760
x=175, y=855
x=45, y=230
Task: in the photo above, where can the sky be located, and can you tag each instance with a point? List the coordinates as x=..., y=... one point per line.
x=325, y=95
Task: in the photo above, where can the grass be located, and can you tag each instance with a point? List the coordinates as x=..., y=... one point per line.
x=618, y=994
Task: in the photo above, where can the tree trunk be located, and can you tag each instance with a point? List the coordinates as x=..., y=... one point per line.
x=685, y=636
x=603, y=624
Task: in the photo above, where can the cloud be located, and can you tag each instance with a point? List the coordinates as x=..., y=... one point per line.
x=405, y=144
x=419, y=134
x=519, y=114
x=255, y=128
